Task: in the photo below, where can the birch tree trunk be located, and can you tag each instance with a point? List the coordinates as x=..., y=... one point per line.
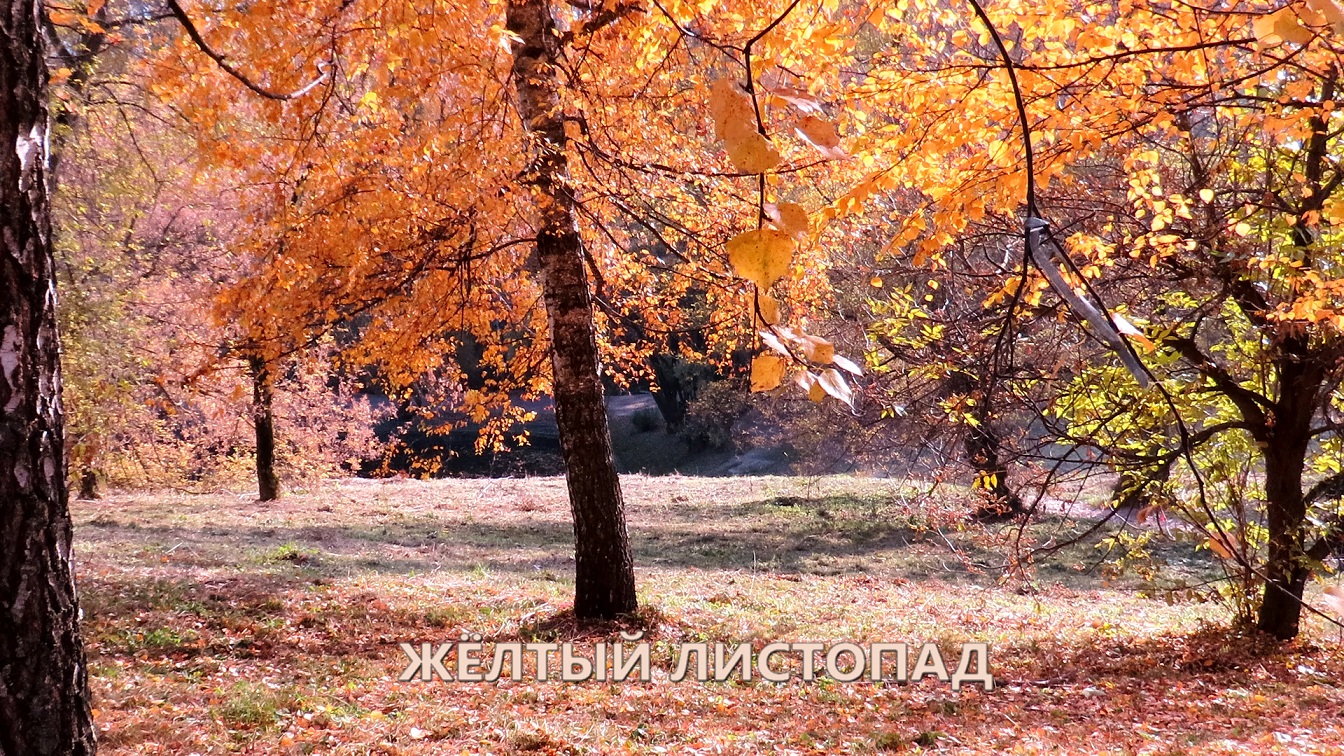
x=44, y=704
x=604, y=568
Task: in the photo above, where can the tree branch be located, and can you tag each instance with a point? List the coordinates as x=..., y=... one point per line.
x=223, y=63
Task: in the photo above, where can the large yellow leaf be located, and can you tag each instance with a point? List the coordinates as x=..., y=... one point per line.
x=1330, y=12
x=767, y=310
x=817, y=349
x=750, y=150
x=1279, y=27
x=1291, y=29
x=728, y=104
x=735, y=123
x=761, y=256
x=767, y=372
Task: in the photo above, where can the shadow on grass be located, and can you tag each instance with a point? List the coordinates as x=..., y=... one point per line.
x=788, y=536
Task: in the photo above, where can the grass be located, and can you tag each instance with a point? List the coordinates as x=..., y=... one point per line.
x=219, y=625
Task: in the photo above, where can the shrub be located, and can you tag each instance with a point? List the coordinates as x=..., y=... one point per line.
x=647, y=420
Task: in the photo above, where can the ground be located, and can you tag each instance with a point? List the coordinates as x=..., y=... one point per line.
x=216, y=624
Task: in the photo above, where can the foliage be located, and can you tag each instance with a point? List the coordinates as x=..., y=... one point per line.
x=713, y=414
x=154, y=396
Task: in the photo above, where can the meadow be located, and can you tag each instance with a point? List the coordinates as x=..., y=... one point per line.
x=217, y=624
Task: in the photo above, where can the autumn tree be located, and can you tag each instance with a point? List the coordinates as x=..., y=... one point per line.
x=401, y=198
x=158, y=385
x=44, y=700
x=1173, y=170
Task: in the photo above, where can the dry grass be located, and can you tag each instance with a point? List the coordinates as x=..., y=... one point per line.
x=219, y=625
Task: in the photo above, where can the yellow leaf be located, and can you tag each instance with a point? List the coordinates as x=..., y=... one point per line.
x=816, y=393
x=767, y=310
x=1290, y=29
x=1330, y=11
x=1206, y=195
x=820, y=133
x=1219, y=546
x=817, y=349
x=1263, y=28
x=1279, y=27
x=728, y=104
x=750, y=150
x=735, y=124
x=875, y=282
x=767, y=371
x=788, y=217
x=762, y=256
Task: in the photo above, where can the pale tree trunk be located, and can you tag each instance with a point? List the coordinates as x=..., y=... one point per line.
x=44, y=703
x=604, y=568
x=263, y=423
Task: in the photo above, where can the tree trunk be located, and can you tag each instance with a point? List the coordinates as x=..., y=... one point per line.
x=263, y=420
x=1286, y=567
x=44, y=700
x=983, y=451
x=1281, y=607
x=604, y=569
x=88, y=485
x=1301, y=375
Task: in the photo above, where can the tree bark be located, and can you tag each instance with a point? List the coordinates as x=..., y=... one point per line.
x=263, y=420
x=983, y=451
x=88, y=485
x=1286, y=565
x=604, y=568
x=44, y=701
